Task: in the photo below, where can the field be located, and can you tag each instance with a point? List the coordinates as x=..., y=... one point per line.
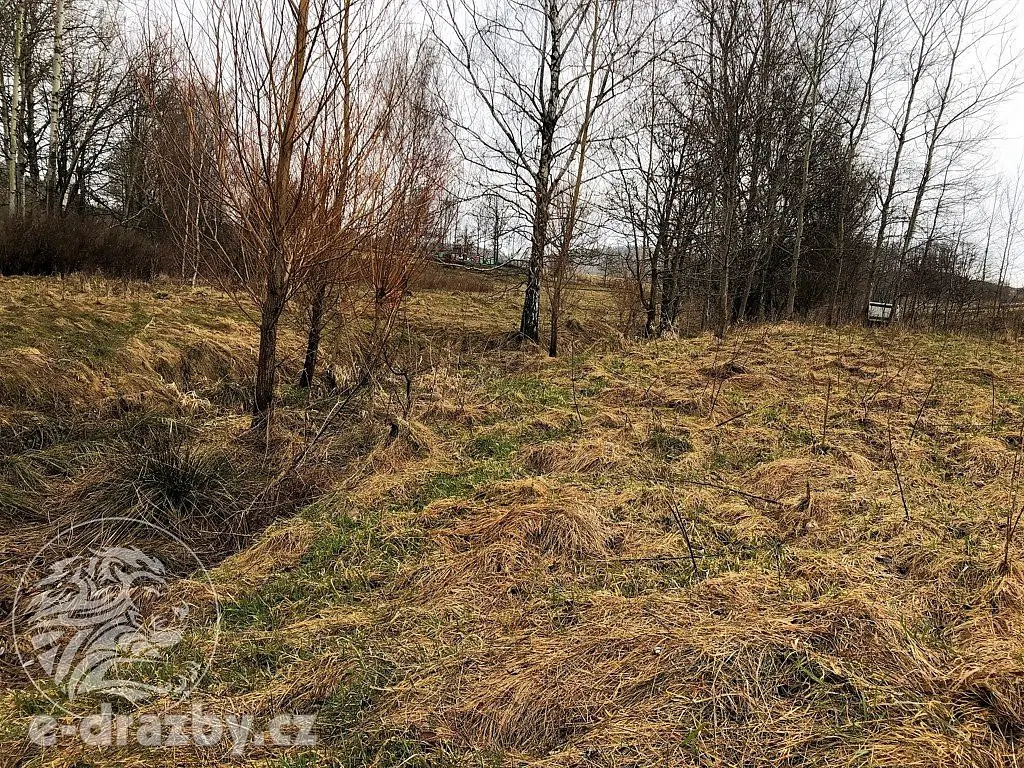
x=781, y=549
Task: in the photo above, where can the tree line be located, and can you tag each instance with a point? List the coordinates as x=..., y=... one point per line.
x=751, y=160
x=734, y=161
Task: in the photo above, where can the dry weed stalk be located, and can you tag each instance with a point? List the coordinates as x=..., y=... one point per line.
x=1013, y=514
x=683, y=529
x=896, y=471
x=924, y=404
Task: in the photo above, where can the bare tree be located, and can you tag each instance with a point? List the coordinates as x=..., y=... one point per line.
x=528, y=63
x=14, y=111
x=56, y=93
x=957, y=98
x=822, y=51
x=266, y=82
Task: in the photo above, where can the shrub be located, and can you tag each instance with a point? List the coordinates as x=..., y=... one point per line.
x=40, y=244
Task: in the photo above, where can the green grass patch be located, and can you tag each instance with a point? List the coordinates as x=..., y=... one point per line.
x=356, y=555
x=446, y=485
x=531, y=391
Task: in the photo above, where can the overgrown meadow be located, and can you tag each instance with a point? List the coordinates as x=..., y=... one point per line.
x=795, y=546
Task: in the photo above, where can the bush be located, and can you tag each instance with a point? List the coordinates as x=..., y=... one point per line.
x=40, y=244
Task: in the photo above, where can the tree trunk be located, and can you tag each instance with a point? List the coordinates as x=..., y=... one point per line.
x=729, y=215
x=14, y=126
x=748, y=289
x=794, y=264
x=652, y=298
x=278, y=277
x=529, y=323
x=555, y=317
x=266, y=363
x=316, y=326
x=671, y=278
x=55, y=97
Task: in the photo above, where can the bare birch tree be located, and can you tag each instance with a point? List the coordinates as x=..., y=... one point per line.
x=528, y=64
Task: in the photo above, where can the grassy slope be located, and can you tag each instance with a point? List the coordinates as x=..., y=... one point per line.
x=508, y=584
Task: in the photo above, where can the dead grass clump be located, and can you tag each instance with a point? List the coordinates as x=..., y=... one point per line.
x=751, y=382
x=440, y=410
x=1004, y=592
x=990, y=688
x=31, y=379
x=163, y=479
x=580, y=457
x=789, y=477
x=523, y=491
x=724, y=371
x=857, y=462
x=652, y=396
x=565, y=532
x=280, y=547
x=513, y=534
x=542, y=458
x=216, y=368
x=608, y=419
x=406, y=440
x=332, y=622
x=744, y=673
x=979, y=457
x=797, y=517
x=748, y=525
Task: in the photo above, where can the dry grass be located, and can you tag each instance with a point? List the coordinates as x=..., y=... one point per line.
x=497, y=575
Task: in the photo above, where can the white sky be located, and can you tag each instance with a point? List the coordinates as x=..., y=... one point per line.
x=1007, y=142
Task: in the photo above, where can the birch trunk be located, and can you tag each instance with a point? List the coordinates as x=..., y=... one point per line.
x=56, y=93
x=14, y=126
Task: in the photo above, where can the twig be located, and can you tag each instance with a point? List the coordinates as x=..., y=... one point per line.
x=572, y=378
x=715, y=392
x=733, y=418
x=686, y=536
x=828, y=401
x=924, y=404
x=899, y=480
x=992, y=408
x=1013, y=523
